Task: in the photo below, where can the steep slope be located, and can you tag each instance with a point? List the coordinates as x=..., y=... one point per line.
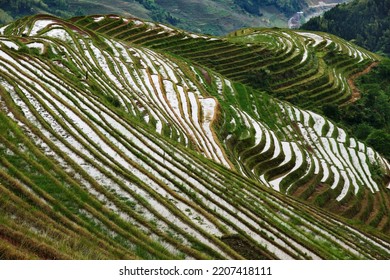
x=304, y=68
x=113, y=150
x=367, y=22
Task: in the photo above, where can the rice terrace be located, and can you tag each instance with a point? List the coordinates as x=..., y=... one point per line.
x=127, y=139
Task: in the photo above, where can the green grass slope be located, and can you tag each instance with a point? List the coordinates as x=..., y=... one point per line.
x=113, y=150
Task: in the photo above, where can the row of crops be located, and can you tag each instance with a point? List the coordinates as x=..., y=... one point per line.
x=113, y=150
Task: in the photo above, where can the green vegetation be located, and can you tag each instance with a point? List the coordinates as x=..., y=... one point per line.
x=158, y=13
x=286, y=6
x=209, y=17
x=366, y=22
x=124, y=139
x=11, y=9
x=368, y=119
x=281, y=62
x=268, y=60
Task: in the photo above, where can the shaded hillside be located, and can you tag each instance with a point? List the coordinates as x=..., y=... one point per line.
x=15, y=9
x=286, y=6
x=141, y=147
x=367, y=22
x=10, y=9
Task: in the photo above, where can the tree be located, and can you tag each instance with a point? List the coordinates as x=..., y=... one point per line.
x=380, y=140
x=331, y=111
x=362, y=131
x=5, y=17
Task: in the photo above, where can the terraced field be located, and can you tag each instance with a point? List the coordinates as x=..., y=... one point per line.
x=131, y=140
x=304, y=68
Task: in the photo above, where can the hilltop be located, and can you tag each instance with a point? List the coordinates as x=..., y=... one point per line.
x=129, y=139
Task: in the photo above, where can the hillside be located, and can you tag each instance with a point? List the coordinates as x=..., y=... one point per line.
x=125, y=139
x=307, y=69
x=203, y=16
x=367, y=22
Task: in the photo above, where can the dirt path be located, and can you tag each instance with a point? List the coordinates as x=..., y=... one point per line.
x=355, y=91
